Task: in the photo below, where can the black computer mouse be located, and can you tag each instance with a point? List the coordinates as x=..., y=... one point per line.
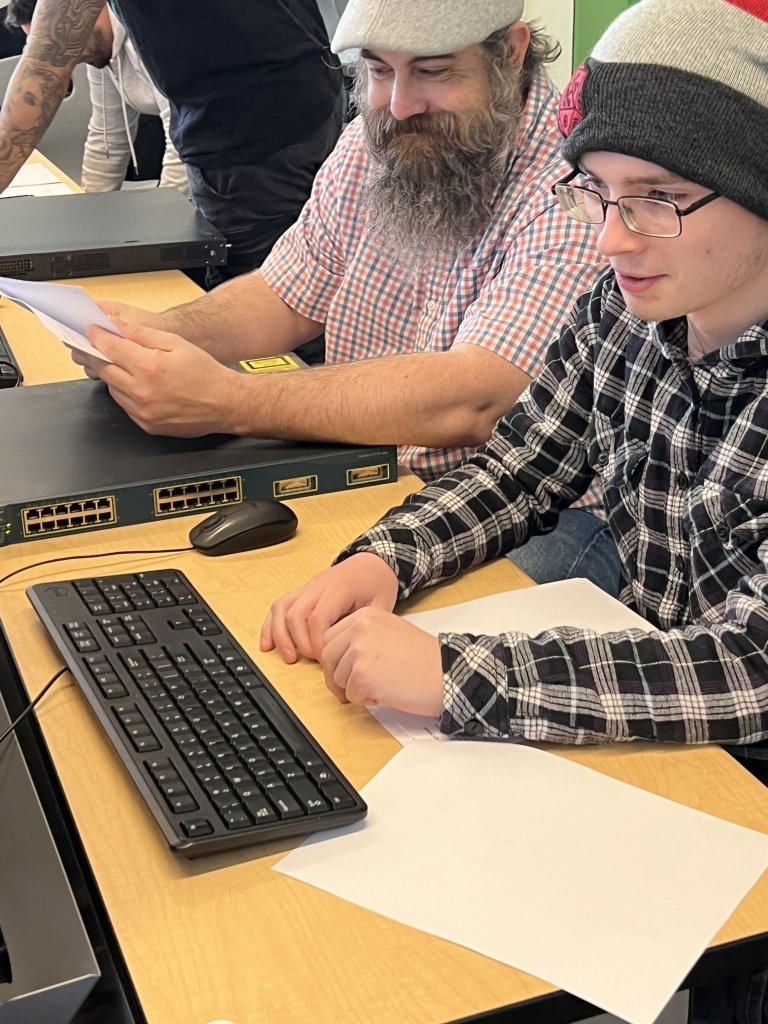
x=242, y=527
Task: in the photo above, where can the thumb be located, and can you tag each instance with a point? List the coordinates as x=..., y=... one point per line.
x=111, y=307
x=149, y=337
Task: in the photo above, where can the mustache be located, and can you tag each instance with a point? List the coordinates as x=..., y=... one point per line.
x=443, y=129
x=416, y=123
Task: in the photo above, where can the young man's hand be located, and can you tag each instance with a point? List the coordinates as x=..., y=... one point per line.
x=373, y=657
x=297, y=623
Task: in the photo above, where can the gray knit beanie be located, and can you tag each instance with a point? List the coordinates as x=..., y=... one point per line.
x=682, y=84
x=424, y=27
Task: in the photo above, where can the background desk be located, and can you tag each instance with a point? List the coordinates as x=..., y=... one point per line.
x=225, y=936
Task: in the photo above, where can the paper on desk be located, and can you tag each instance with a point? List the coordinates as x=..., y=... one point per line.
x=530, y=610
x=34, y=179
x=599, y=888
x=66, y=312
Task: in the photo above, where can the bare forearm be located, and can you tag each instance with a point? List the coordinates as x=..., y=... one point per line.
x=59, y=34
x=437, y=400
x=241, y=318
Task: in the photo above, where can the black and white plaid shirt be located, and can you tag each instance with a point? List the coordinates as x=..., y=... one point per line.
x=681, y=449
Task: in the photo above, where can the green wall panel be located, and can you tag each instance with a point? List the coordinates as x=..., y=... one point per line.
x=590, y=19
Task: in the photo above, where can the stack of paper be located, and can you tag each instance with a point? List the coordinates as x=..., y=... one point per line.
x=67, y=312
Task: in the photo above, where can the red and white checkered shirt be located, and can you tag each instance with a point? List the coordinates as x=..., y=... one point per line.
x=506, y=292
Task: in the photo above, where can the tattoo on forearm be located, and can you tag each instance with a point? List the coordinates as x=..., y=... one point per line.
x=61, y=29
x=58, y=39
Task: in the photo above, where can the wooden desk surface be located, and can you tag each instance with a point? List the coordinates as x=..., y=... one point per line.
x=225, y=937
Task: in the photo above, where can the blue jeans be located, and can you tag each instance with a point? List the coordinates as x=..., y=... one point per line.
x=580, y=545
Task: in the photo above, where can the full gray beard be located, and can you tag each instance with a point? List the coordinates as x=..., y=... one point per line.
x=435, y=177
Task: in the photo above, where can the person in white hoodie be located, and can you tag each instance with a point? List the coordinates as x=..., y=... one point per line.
x=121, y=90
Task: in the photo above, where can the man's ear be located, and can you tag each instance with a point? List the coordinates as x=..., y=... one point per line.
x=518, y=40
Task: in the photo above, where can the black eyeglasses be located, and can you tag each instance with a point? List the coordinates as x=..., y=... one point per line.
x=659, y=218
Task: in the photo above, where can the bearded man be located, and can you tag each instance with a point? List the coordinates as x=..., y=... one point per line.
x=431, y=253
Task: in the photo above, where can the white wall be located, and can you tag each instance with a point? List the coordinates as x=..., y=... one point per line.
x=556, y=18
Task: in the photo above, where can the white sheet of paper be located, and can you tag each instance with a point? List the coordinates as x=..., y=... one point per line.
x=601, y=889
x=530, y=610
x=54, y=189
x=34, y=179
x=66, y=312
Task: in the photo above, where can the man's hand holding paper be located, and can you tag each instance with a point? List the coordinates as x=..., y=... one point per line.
x=166, y=385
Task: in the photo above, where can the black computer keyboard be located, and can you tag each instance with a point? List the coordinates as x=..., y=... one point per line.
x=216, y=753
x=10, y=374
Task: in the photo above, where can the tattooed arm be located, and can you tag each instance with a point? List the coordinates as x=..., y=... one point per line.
x=60, y=31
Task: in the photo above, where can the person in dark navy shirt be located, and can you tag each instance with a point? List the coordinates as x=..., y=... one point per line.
x=256, y=101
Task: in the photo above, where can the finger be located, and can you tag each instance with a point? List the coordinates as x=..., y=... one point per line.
x=110, y=306
x=112, y=346
x=266, y=637
x=116, y=348
x=298, y=618
x=112, y=309
x=318, y=623
x=276, y=633
x=330, y=660
x=151, y=337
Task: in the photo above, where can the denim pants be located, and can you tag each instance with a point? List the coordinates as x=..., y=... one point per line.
x=580, y=545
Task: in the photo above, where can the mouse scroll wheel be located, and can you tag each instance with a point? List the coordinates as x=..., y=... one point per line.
x=211, y=523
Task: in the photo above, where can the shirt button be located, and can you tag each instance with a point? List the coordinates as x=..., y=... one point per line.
x=602, y=459
x=682, y=481
x=680, y=563
x=722, y=531
x=431, y=306
x=473, y=727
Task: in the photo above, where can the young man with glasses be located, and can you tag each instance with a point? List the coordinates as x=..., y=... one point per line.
x=658, y=383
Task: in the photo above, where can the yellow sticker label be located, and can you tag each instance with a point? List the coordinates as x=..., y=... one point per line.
x=269, y=364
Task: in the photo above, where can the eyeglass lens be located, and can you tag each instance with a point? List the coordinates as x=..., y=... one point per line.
x=644, y=215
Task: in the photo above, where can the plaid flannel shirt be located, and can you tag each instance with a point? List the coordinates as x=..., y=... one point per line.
x=502, y=293
x=681, y=450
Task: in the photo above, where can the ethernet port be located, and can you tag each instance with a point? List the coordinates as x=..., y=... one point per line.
x=33, y=513
x=61, y=510
x=75, y=520
x=75, y=506
x=89, y=506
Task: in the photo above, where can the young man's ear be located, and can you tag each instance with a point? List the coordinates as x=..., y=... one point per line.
x=518, y=41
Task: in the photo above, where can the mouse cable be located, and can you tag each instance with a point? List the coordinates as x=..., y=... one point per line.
x=68, y=558
x=12, y=727
x=104, y=554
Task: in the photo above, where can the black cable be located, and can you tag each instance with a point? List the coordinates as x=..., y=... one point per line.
x=70, y=558
x=106, y=554
x=29, y=706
